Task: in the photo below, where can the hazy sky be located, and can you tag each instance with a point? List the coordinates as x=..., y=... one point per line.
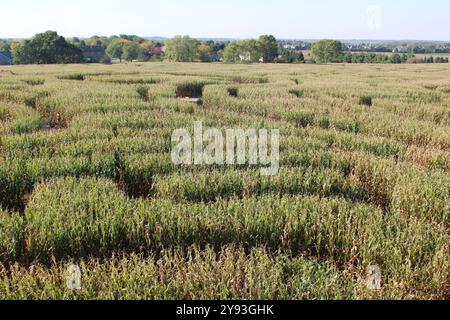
x=343, y=19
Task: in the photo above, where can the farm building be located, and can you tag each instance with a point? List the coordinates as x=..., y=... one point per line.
x=5, y=59
x=92, y=53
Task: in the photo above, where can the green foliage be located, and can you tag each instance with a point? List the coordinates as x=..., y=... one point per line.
x=399, y=59
x=115, y=49
x=190, y=89
x=143, y=92
x=290, y=56
x=5, y=46
x=365, y=101
x=438, y=60
x=145, y=51
x=181, y=49
x=268, y=48
x=130, y=51
x=245, y=51
x=75, y=76
x=233, y=91
x=325, y=51
x=203, y=53
x=297, y=92
x=302, y=119
x=34, y=82
x=46, y=48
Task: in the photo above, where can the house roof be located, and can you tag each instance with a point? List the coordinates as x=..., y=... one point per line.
x=5, y=59
x=92, y=53
x=158, y=50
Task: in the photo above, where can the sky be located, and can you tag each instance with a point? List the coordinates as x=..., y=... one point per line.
x=286, y=19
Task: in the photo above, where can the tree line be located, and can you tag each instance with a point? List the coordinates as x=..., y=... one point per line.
x=332, y=51
x=45, y=48
x=51, y=48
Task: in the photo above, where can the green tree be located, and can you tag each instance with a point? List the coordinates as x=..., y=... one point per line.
x=268, y=48
x=46, y=48
x=5, y=46
x=348, y=57
x=242, y=51
x=231, y=53
x=19, y=54
x=115, y=49
x=290, y=56
x=395, y=58
x=326, y=51
x=181, y=49
x=130, y=51
x=146, y=50
x=203, y=53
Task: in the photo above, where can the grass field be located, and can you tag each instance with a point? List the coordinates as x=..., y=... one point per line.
x=86, y=176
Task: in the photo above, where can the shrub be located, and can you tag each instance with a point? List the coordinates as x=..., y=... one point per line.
x=76, y=77
x=365, y=101
x=296, y=92
x=190, y=89
x=233, y=92
x=143, y=92
x=5, y=114
x=302, y=119
x=34, y=82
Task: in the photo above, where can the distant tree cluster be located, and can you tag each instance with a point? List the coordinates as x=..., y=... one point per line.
x=325, y=51
x=265, y=49
x=395, y=58
x=290, y=56
x=435, y=60
x=50, y=48
x=415, y=60
x=187, y=49
x=45, y=48
x=5, y=46
x=241, y=51
x=183, y=49
x=130, y=48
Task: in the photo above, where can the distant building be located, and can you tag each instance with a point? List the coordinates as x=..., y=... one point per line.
x=215, y=57
x=245, y=57
x=400, y=50
x=5, y=59
x=92, y=54
x=157, y=51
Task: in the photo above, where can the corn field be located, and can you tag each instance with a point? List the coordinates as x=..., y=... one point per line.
x=86, y=177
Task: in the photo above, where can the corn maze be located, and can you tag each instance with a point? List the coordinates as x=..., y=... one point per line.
x=86, y=177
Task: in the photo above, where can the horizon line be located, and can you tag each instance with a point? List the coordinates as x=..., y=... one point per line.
x=232, y=38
